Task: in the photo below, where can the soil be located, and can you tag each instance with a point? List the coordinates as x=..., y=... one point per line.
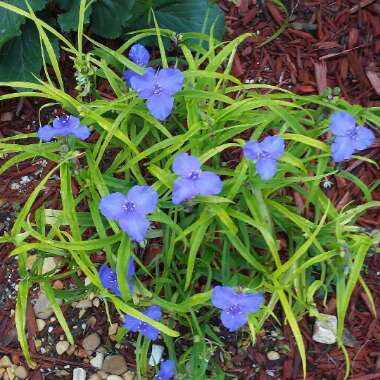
x=326, y=44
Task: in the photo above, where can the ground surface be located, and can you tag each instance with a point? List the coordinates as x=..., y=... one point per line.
x=326, y=44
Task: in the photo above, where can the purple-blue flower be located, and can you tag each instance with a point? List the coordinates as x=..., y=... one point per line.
x=131, y=210
x=349, y=137
x=265, y=154
x=235, y=306
x=166, y=371
x=158, y=89
x=64, y=126
x=135, y=325
x=193, y=181
x=140, y=56
x=108, y=278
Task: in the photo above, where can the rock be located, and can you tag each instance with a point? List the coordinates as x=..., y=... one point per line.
x=95, y=376
x=115, y=365
x=273, y=355
x=71, y=350
x=58, y=284
x=98, y=360
x=325, y=330
x=84, y=304
x=91, y=343
x=5, y=362
x=21, y=372
x=112, y=330
x=102, y=375
x=156, y=354
x=114, y=377
x=96, y=302
x=6, y=116
x=42, y=308
x=79, y=374
x=91, y=322
x=30, y=261
x=11, y=373
x=129, y=375
x=61, y=373
x=40, y=324
x=61, y=347
x=48, y=265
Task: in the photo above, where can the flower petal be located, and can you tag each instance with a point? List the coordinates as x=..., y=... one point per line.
x=111, y=206
x=233, y=321
x=252, y=150
x=342, y=149
x=170, y=80
x=145, y=199
x=131, y=323
x=66, y=122
x=250, y=302
x=144, y=84
x=208, y=183
x=341, y=123
x=135, y=225
x=131, y=267
x=222, y=297
x=82, y=132
x=150, y=332
x=166, y=371
x=153, y=312
x=266, y=168
x=364, y=138
x=274, y=146
x=139, y=55
x=160, y=105
x=184, y=189
x=108, y=279
x=184, y=165
x=46, y=133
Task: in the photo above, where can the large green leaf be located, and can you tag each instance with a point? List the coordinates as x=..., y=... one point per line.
x=68, y=21
x=110, y=16
x=21, y=57
x=11, y=22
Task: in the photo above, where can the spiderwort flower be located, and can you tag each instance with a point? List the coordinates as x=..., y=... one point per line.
x=131, y=210
x=349, y=137
x=135, y=325
x=64, y=126
x=158, y=89
x=166, y=371
x=108, y=278
x=235, y=306
x=138, y=55
x=193, y=181
x=265, y=154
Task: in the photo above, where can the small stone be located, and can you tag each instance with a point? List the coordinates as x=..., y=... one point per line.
x=37, y=344
x=2, y=370
x=71, y=349
x=95, y=376
x=21, y=372
x=84, y=304
x=112, y=330
x=129, y=375
x=102, y=375
x=30, y=261
x=114, y=377
x=48, y=265
x=97, y=361
x=40, y=324
x=11, y=373
x=91, y=343
x=348, y=339
x=6, y=116
x=96, y=302
x=82, y=312
x=61, y=373
x=115, y=365
x=42, y=308
x=58, y=284
x=61, y=347
x=79, y=374
x=325, y=330
x=5, y=362
x=273, y=355
x=91, y=322
x=156, y=354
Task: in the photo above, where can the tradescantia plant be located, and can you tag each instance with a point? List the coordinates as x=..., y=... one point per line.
x=218, y=221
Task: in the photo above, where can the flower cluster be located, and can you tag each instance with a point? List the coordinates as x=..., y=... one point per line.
x=64, y=126
x=166, y=371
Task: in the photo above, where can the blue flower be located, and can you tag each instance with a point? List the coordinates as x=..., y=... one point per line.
x=193, y=180
x=108, y=278
x=265, y=154
x=131, y=210
x=64, y=126
x=135, y=325
x=158, y=89
x=166, y=371
x=140, y=56
x=349, y=137
x=235, y=306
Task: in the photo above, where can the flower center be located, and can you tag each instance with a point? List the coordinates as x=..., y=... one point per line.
x=194, y=175
x=264, y=155
x=234, y=309
x=64, y=119
x=157, y=90
x=352, y=133
x=129, y=206
x=141, y=326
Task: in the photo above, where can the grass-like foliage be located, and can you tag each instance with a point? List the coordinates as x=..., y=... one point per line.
x=249, y=235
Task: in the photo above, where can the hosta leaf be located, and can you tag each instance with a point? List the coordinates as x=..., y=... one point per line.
x=68, y=21
x=110, y=16
x=11, y=22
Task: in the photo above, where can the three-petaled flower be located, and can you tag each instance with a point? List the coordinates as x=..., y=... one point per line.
x=135, y=325
x=131, y=210
x=158, y=88
x=265, y=154
x=109, y=281
x=166, y=371
x=235, y=306
x=64, y=126
x=193, y=181
x=140, y=56
x=349, y=137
